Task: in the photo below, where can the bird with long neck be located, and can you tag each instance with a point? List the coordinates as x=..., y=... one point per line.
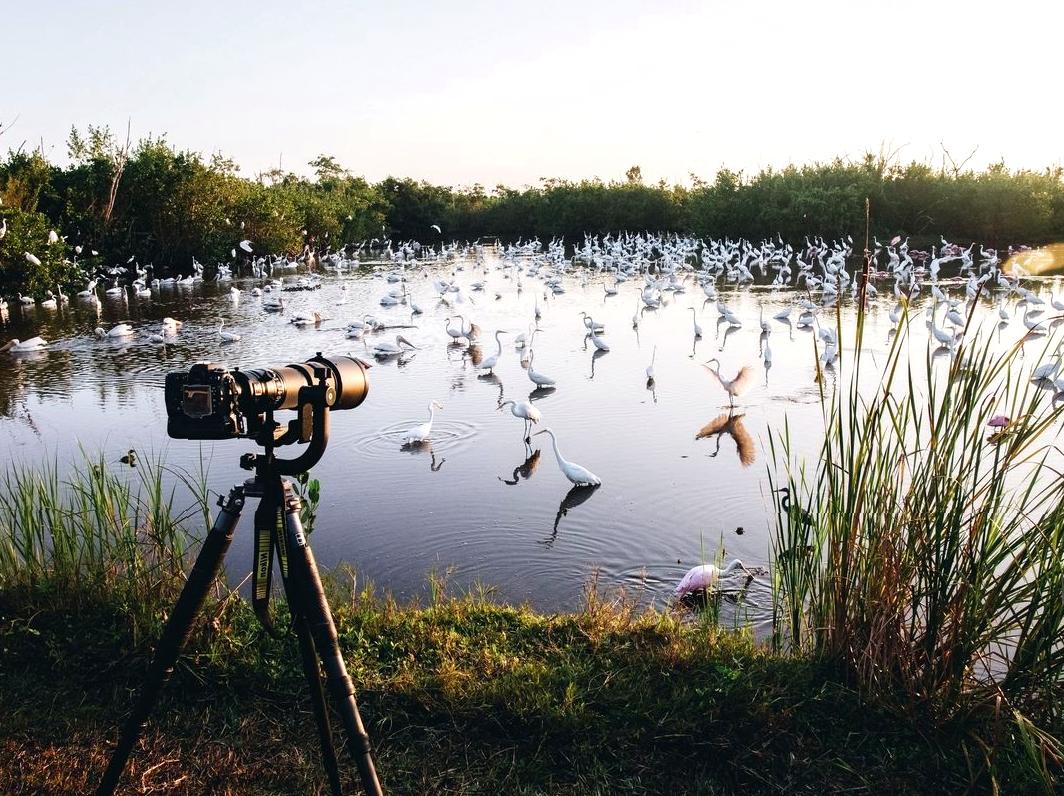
x=706, y=577
x=490, y=363
x=526, y=412
x=577, y=474
x=737, y=387
x=537, y=378
x=422, y=432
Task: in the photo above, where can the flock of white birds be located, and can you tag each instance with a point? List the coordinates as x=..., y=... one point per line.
x=652, y=270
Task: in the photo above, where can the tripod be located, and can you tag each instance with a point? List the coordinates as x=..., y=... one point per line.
x=277, y=528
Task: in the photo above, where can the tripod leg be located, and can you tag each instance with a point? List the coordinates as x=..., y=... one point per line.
x=309, y=655
x=303, y=571
x=178, y=626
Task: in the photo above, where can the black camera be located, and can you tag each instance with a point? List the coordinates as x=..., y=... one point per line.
x=213, y=402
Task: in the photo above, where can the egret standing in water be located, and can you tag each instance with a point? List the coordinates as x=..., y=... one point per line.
x=650, y=367
x=694, y=320
x=537, y=378
x=419, y=434
x=737, y=387
x=525, y=411
x=490, y=363
x=580, y=476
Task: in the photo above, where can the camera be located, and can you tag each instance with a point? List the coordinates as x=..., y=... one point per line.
x=209, y=401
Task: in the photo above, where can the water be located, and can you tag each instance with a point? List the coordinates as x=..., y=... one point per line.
x=476, y=502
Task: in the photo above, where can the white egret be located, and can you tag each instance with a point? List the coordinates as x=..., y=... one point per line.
x=737, y=387
x=489, y=363
x=694, y=320
x=421, y=432
x=580, y=476
x=599, y=343
x=33, y=258
x=537, y=378
x=526, y=412
x=1048, y=370
x=650, y=367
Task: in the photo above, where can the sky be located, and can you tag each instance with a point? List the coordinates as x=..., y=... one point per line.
x=509, y=93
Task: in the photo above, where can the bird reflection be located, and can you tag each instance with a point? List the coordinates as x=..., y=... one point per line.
x=652, y=386
x=573, y=498
x=475, y=354
x=418, y=448
x=594, y=358
x=540, y=393
x=525, y=469
x=728, y=333
x=731, y=424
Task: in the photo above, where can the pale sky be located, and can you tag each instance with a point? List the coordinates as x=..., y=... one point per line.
x=509, y=92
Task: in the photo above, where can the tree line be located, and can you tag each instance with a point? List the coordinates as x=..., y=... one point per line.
x=154, y=203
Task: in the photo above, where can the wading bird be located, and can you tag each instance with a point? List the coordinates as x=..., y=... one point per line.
x=526, y=412
x=420, y=433
x=489, y=364
x=706, y=577
x=737, y=387
x=580, y=476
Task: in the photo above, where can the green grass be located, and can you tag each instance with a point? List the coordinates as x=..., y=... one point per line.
x=462, y=696
x=931, y=573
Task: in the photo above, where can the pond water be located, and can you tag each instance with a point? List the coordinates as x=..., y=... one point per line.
x=683, y=476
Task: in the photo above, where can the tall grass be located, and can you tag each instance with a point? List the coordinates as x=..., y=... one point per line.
x=923, y=553
x=97, y=529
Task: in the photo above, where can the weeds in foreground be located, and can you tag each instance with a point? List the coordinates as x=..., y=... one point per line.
x=923, y=550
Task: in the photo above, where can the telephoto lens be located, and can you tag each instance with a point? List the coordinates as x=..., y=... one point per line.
x=278, y=387
x=211, y=402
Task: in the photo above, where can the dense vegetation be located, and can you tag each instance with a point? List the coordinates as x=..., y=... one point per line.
x=164, y=206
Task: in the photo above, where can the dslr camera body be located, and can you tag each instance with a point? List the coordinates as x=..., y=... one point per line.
x=211, y=402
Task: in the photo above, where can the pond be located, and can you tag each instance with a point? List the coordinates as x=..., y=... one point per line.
x=683, y=475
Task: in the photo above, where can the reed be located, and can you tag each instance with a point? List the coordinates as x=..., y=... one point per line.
x=97, y=530
x=922, y=552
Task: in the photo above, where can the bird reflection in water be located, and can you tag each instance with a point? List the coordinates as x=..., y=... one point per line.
x=594, y=358
x=525, y=469
x=573, y=498
x=418, y=448
x=540, y=393
x=731, y=423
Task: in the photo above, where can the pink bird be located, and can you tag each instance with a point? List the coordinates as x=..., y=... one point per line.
x=999, y=421
x=705, y=578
